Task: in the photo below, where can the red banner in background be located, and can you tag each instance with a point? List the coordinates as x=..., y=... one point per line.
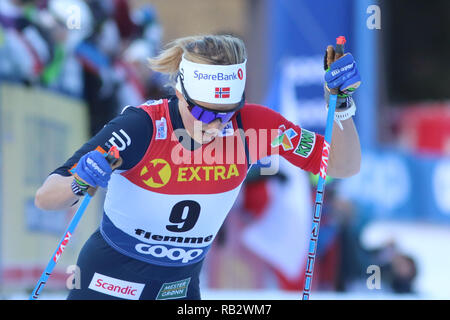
x=425, y=128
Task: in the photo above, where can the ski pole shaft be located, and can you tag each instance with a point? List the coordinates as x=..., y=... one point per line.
x=113, y=158
x=321, y=183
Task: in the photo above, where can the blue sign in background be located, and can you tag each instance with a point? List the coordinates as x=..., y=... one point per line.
x=299, y=32
x=397, y=185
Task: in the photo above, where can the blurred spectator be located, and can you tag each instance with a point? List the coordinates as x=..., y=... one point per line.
x=349, y=268
x=64, y=72
x=398, y=270
x=127, y=28
x=95, y=50
x=402, y=271
x=342, y=261
x=340, y=258
x=97, y=53
x=138, y=82
x=113, y=59
x=148, y=27
x=25, y=49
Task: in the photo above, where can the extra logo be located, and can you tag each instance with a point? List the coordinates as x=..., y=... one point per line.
x=62, y=246
x=207, y=173
x=156, y=174
x=116, y=287
x=306, y=143
x=284, y=138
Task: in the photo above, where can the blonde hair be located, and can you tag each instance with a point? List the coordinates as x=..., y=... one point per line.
x=207, y=49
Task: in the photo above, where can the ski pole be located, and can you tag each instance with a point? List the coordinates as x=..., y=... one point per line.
x=321, y=183
x=115, y=161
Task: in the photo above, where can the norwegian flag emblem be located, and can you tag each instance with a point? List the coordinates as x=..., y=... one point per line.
x=222, y=93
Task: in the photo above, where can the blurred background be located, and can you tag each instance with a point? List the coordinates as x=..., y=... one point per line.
x=69, y=66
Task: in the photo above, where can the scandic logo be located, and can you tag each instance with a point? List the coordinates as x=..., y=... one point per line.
x=116, y=287
x=62, y=246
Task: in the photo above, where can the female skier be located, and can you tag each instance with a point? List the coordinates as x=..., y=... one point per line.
x=184, y=161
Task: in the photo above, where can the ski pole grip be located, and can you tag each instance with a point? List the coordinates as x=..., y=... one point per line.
x=340, y=42
x=339, y=52
x=114, y=160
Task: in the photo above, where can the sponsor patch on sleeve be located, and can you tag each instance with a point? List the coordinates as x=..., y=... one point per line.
x=284, y=138
x=305, y=144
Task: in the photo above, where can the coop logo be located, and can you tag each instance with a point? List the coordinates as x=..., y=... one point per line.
x=325, y=157
x=62, y=246
x=116, y=287
x=173, y=254
x=156, y=173
x=220, y=76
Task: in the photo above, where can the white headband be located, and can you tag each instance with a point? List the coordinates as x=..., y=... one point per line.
x=218, y=84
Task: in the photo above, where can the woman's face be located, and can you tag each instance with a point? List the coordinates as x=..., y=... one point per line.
x=199, y=131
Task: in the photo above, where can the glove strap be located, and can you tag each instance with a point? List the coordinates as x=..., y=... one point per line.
x=342, y=101
x=345, y=106
x=345, y=114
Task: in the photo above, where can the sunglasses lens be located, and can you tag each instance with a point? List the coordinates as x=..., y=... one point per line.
x=207, y=116
x=225, y=117
x=197, y=112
